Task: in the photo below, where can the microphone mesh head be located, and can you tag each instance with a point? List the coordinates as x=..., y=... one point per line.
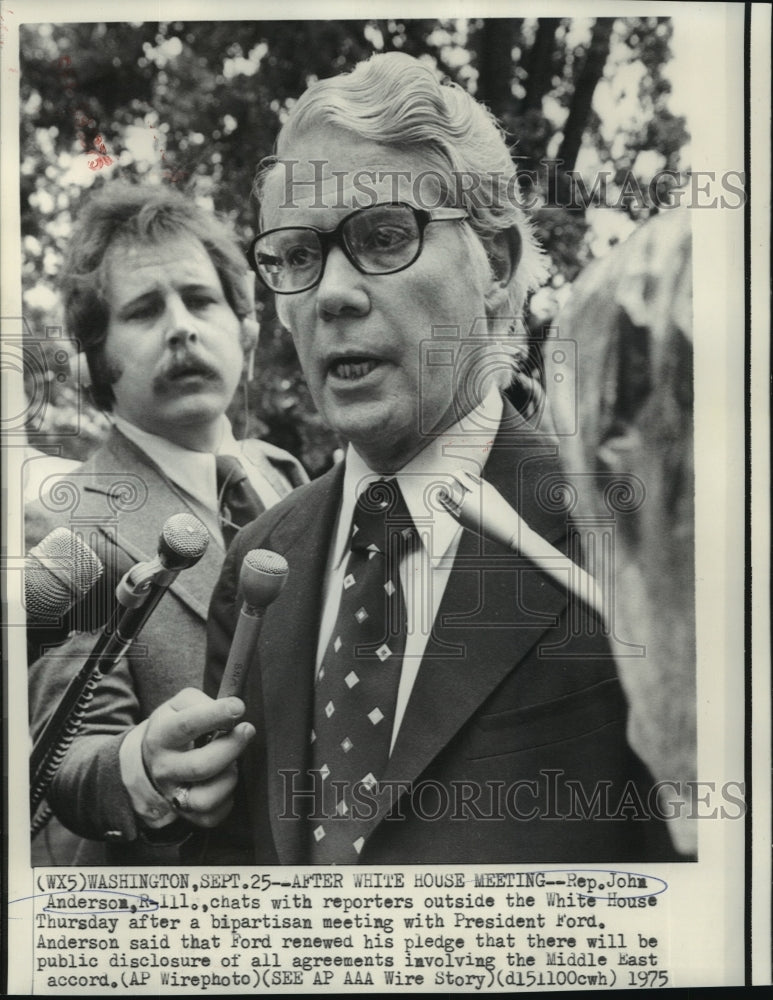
x=266, y=561
x=185, y=536
x=58, y=572
x=262, y=576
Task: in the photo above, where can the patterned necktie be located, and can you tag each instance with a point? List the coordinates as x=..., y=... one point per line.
x=238, y=503
x=356, y=687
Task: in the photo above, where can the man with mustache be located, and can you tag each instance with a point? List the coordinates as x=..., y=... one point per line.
x=417, y=695
x=159, y=296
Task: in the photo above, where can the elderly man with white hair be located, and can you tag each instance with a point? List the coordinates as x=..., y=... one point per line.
x=417, y=694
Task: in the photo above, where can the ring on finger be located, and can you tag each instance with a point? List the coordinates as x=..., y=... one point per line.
x=180, y=798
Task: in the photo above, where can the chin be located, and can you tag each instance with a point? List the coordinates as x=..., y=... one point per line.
x=384, y=452
x=366, y=424
x=194, y=411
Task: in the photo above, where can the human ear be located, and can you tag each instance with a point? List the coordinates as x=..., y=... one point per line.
x=504, y=253
x=504, y=250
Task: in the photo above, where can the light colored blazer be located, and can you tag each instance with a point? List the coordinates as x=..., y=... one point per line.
x=118, y=501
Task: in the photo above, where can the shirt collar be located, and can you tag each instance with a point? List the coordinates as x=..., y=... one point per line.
x=464, y=445
x=193, y=471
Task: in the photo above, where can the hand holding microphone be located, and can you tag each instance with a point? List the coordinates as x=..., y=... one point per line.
x=192, y=742
x=262, y=577
x=197, y=779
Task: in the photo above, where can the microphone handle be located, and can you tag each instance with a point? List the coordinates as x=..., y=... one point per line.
x=243, y=646
x=478, y=506
x=65, y=722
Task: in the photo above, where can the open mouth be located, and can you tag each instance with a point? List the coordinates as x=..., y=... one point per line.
x=352, y=368
x=189, y=371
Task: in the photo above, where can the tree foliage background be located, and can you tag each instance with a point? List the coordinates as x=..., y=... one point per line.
x=198, y=105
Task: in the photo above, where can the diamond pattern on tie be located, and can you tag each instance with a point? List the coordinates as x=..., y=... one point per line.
x=356, y=689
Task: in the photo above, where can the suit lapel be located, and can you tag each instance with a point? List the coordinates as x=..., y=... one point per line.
x=496, y=606
x=128, y=480
x=288, y=649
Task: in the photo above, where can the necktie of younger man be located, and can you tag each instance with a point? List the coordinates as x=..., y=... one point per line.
x=238, y=503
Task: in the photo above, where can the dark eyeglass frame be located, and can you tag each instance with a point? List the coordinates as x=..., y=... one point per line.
x=336, y=237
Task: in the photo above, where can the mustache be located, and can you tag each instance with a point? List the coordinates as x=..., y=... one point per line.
x=186, y=364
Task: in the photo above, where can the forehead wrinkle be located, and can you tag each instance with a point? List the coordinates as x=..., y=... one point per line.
x=297, y=187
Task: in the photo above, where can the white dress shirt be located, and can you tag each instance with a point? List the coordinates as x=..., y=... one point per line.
x=424, y=571
x=194, y=471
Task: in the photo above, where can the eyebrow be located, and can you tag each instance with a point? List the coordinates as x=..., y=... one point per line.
x=136, y=300
x=151, y=293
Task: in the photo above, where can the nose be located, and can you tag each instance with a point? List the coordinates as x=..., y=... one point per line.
x=341, y=288
x=180, y=324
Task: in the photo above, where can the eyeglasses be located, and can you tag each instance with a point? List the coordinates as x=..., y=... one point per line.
x=381, y=239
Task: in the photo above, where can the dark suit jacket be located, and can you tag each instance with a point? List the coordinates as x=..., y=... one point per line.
x=117, y=501
x=516, y=698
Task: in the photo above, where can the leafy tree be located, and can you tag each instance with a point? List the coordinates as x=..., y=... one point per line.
x=198, y=105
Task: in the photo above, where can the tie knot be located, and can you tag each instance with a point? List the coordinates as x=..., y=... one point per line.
x=380, y=514
x=229, y=471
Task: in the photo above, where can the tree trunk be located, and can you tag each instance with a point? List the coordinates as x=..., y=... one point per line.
x=538, y=63
x=589, y=76
x=495, y=42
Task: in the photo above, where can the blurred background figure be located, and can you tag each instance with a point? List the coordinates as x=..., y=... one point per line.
x=625, y=413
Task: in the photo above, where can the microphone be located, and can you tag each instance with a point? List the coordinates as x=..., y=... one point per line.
x=184, y=540
x=480, y=507
x=58, y=572
x=262, y=576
